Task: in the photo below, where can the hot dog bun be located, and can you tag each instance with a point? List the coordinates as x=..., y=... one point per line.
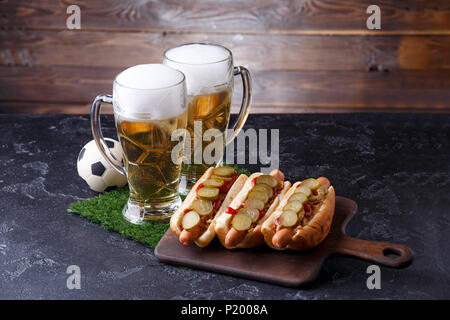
x=253, y=237
x=207, y=235
x=301, y=237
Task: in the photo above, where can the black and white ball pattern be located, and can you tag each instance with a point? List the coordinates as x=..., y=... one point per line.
x=96, y=171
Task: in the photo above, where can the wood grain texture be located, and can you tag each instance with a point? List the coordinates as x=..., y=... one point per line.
x=285, y=267
x=304, y=55
x=252, y=16
x=85, y=108
x=257, y=52
x=324, y=89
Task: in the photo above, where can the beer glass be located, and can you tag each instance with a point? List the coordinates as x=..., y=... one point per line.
x=209, y=75
x=149, y=104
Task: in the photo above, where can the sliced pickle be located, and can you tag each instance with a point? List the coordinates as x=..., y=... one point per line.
x=301, y=197
x=311, y=183
x=224, y=171
x=259, y=195
x=264, y=187
x=293, y=206
x=208, y=193
x=213, y=183
x=190, y=220
x=288, y=218
x=251, y=212
x=203, y=207
x=254, y=203
x=241, y=222
x=267, y=179
x=221, y=178
x=304, y=189
x=321, y=192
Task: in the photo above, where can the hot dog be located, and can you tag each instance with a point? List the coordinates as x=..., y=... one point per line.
x=187, y=237
x=304, y=216
x=233, y=237
x=240, y=224
x=282, y=237
x=194, y=221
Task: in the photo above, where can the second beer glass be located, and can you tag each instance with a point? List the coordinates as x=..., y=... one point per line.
x=209, y=75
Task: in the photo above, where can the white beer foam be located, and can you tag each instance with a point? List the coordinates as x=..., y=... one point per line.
x=149, y=92
x=204, y=66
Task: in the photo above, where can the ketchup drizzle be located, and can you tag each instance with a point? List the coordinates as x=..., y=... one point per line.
x=230, y=210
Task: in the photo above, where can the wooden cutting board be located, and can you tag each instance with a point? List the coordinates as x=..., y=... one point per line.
x=286, y=268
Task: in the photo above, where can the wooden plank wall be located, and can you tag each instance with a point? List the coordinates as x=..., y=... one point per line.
x=305, y=55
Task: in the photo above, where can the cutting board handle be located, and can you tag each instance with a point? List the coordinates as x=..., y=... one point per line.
x=382, y=253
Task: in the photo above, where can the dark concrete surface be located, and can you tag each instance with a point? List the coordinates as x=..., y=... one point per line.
x=396, y=167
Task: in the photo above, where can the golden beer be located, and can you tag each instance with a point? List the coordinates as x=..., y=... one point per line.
x=213, y=110
x=152, y=175
x=150, y=106
x=209, y=75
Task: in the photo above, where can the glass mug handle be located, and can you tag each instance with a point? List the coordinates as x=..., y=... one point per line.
x=246, y=101
x=97, y=133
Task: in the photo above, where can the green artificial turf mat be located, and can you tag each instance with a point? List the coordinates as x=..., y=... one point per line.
x=106, y=209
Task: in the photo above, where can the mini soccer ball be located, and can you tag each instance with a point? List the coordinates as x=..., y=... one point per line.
x=96, y=171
